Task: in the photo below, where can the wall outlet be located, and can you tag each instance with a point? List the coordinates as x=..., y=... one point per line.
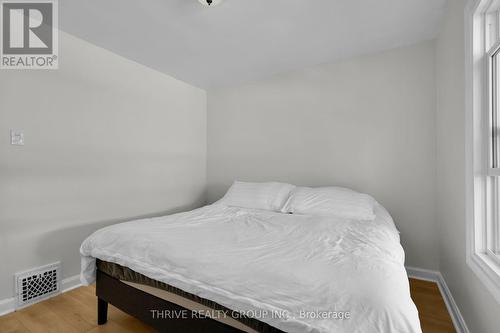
x=16, y=138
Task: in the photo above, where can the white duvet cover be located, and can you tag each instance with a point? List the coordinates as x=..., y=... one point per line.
x=297, y=273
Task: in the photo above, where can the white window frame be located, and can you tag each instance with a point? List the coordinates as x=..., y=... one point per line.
x=481, y=207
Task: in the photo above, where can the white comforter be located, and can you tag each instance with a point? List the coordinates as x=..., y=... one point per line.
x=265, y=264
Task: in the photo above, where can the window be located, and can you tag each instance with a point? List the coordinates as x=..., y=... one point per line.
x=483, y=141
x=492, y=230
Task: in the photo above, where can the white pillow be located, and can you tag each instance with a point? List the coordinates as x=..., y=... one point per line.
x=330, y=201
x=268, y=196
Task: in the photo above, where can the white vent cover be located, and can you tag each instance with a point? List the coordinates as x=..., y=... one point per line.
x=37, y=284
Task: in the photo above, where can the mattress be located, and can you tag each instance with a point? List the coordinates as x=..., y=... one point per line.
x=304, y=273
x=185, y=299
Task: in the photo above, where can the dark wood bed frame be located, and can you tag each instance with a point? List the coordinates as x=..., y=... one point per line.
x=140, y=305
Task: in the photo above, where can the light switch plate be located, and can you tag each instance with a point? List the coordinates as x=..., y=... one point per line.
x=16, y=138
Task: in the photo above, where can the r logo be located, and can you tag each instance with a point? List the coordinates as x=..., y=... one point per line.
x=29, y=37
x=27, y=28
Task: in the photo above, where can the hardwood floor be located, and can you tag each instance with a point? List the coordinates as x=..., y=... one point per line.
x=75, y=312
x=434, y=316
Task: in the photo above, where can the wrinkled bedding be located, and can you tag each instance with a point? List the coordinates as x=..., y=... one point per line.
x=297, y=273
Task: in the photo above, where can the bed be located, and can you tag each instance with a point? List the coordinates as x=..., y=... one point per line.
x=256, y=270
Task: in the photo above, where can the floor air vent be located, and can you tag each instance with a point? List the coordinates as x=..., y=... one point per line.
x=37, y=284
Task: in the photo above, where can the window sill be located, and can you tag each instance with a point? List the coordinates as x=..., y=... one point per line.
x=487, y=270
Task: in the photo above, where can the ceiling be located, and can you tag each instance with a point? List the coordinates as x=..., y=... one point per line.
x=243, y=40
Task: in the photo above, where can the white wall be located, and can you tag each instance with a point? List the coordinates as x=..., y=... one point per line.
x=106, y=139
x=102, y=146
x=367, y=123
x=480, y=310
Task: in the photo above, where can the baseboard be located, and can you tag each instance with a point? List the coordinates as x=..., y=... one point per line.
x=70, y=283
x=423, y=274
x=8, y=305
x=455, y=313
x=451, y=305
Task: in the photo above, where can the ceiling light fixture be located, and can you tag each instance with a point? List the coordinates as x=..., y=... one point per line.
x=210, y=3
